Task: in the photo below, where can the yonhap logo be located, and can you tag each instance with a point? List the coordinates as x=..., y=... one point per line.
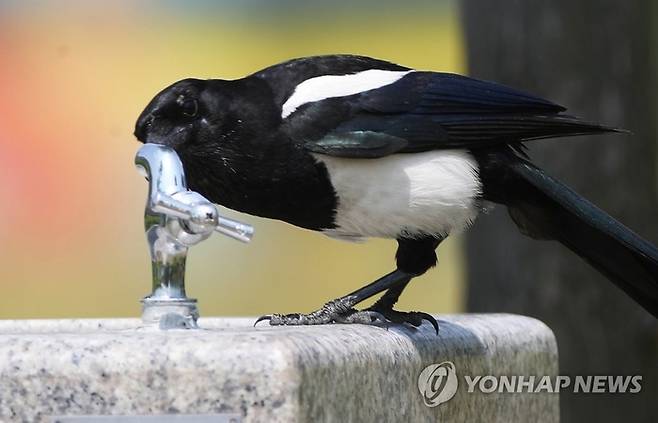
x=438, y=383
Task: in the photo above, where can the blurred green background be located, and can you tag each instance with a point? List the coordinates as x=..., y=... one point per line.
x=74, y=76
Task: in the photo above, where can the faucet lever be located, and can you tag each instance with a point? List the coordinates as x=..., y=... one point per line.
x=202, y=217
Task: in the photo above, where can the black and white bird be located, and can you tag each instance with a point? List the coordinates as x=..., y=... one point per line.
x=355, y=147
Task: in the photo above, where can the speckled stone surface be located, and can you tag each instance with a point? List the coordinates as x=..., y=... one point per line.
x=270, y=374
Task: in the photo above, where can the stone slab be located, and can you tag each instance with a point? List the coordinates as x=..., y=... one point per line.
x=271, y=374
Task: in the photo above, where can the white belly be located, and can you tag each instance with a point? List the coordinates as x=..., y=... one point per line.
x=432, y=193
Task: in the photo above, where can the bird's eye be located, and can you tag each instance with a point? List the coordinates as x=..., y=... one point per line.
x=188, y=106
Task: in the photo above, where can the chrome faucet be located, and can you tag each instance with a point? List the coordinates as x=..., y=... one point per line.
x=175, y=219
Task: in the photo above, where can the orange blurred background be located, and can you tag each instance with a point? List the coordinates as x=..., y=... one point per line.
x=75, y=75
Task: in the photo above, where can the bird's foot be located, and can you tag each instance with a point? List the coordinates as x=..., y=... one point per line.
x=342, y=311
x=413, y=318
x=335, y=311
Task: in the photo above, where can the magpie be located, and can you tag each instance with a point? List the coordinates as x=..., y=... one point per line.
x=355, y=147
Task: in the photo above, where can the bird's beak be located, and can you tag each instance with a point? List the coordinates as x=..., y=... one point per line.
x=149, y=129
x=142, y=126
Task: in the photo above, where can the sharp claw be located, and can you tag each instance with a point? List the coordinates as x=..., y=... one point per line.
x=264, y=317
x=430, y=319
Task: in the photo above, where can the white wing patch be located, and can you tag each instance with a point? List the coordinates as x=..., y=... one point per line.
x=432, y=193
x=329, y=86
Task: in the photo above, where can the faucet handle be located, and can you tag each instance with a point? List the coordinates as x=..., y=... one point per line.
x=200, y=216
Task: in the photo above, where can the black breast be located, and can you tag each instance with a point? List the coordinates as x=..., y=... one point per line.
x=289, y=186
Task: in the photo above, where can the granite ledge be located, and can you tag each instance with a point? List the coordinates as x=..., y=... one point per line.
x=322, y=373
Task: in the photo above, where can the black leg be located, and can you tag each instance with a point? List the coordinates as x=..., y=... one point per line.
x=391, y=296
x=397, y=279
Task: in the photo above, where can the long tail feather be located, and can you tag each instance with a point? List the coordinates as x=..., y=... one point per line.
x=544, y=208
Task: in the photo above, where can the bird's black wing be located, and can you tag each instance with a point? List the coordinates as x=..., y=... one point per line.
x=429, y=110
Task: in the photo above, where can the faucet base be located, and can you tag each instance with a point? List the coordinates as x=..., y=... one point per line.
x=170, y=313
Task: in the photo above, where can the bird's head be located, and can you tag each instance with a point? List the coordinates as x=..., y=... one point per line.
x=184, y=114
x=219, y=129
